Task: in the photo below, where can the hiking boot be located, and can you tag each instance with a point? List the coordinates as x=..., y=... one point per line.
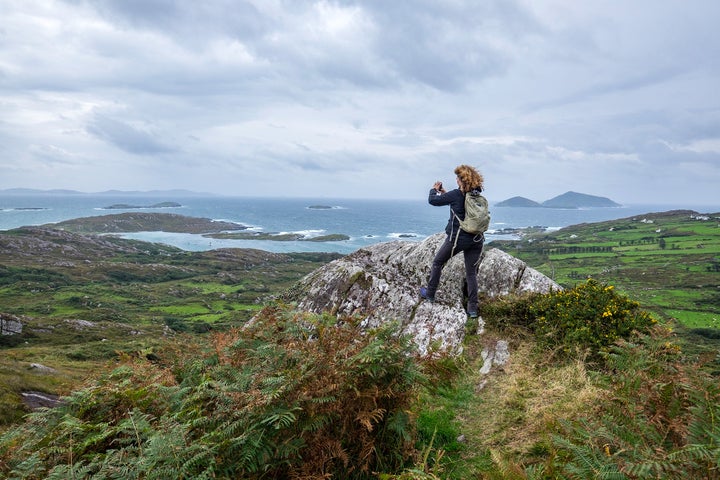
x=424, y=295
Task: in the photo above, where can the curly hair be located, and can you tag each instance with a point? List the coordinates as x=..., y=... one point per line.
x=470, y=178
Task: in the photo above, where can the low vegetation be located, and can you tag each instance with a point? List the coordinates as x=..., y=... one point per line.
x=291, y=396
x=145, y=222
x=295, y=395
x=600, y=384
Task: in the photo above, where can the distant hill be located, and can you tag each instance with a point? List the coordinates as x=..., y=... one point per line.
x=149, y=193
x=566, y=200
x=578, y=200
x=518, y=202
x=32, y=191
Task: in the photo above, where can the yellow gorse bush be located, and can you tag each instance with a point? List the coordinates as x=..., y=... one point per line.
x=591, y=315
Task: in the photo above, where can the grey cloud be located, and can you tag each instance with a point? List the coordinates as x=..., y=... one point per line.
x=126, y=137
x=53, y=156
x=438, y=45
x=642, y=131
x=629, y=83
x=662, y=155
x=447, y=46
x=188, y=22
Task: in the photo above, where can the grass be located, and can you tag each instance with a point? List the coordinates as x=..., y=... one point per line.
x=505, y=417
x=527, y=399
x=695, y=319
x=670, y=262
x=136, y=294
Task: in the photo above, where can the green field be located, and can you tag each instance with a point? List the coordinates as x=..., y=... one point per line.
x=670, y=262
x=84, y=306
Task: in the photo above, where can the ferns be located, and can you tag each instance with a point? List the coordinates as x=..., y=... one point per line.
x=292, y=395
x=662, y=421
x=301, y=396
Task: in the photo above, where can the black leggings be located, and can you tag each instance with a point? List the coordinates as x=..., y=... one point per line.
x=471, y=246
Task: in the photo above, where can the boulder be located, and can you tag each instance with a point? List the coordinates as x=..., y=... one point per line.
x=34, y=400
x=10, y=324
x=381, y=284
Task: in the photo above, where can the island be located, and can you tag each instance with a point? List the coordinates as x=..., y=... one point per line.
x=579, y=200
x=125, y=206
x=278, y=237
x=320, y=207
x=518, y=202
x=566, y=200
x=145, y=222
x=169, y=222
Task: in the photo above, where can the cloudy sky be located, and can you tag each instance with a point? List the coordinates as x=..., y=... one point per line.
x=617, y=98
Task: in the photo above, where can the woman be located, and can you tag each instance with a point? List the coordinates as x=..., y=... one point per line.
x=457, y=240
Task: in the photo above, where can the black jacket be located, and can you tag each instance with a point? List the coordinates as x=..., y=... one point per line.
x=456, y=200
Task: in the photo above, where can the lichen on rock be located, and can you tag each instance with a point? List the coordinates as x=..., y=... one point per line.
x=380, y=283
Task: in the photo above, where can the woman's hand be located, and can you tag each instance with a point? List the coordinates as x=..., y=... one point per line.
x=438, y=186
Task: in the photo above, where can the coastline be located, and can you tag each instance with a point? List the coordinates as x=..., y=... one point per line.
x=348, y=225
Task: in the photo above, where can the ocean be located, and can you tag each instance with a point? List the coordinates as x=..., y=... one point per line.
x=365, y=221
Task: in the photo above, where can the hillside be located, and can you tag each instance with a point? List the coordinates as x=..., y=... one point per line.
x=84, y=299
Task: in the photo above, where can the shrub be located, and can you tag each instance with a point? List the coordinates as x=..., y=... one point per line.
x=510, y=311
x=589, y=316
x=327, y=396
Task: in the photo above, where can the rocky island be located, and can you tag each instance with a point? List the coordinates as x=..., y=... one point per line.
x=278, y=237
x=146, y=222
x=173, y=223
x=579, y=200
x=125, y=206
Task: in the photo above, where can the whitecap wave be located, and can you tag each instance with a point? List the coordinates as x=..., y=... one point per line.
x=244, y=226
x=304, y=233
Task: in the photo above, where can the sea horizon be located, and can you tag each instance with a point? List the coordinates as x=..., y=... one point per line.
x=364, y=221
x=22, y=192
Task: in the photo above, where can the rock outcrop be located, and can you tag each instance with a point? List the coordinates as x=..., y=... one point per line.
x=10, y=324
x=35, y=400
x=381, y=284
